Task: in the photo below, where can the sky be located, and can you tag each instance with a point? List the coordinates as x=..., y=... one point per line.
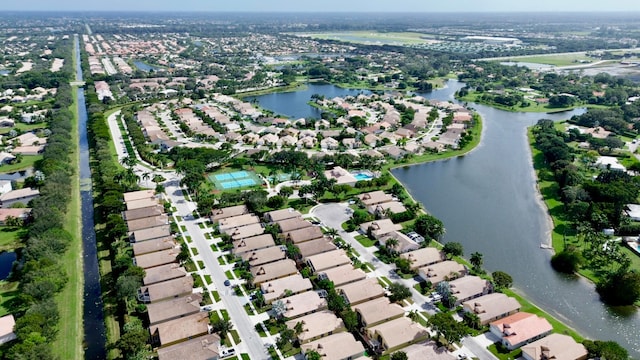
x=323, y=5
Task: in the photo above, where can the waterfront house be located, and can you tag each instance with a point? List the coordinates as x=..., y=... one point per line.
x=446, y=270
x=342, y=176
x=469, y=287
x=374, y=198
x=520, y=329
x=555, y=346
x=423, y=257
x=379, y=228
x=7, y=324
x=154, y=245
x=492, y=307
x=404, y=243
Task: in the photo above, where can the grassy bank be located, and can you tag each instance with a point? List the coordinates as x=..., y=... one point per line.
x=296, y=86
x=68, y=344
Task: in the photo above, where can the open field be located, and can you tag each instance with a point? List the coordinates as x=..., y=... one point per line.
x=373, y=37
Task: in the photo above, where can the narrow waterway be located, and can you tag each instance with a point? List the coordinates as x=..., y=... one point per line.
x=488, y=202
x=94, y=331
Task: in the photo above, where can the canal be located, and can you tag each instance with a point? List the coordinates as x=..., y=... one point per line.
x=488, y=202
x=94, y=331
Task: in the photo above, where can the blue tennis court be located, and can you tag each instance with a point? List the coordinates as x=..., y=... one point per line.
x=236, y=179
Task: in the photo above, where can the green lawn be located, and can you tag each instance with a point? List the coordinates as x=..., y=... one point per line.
x=24, y=127
x=365, y=241
x=68, y=343
x=27, y=162
x=556, y=60
x=503, y=354
x=9, y=238
x=8, y=297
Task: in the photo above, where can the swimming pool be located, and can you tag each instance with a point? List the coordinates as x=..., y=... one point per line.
x=362, y=176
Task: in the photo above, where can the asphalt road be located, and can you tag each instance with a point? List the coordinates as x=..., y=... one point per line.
x=251, y=341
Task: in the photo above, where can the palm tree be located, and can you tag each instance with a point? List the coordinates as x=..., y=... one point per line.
x=413, y=315
x=333, y=233
x=222, y=327
x=129, y=161
x=476, y=260
x=279, y=308
x=391, y=244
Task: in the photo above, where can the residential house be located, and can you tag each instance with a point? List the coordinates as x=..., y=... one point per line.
x=379, y=228
x=340, y=346
x=329, y=143
x=423, y=257
x=272, y=271
x=264, y=256
x=148, y=222
x=19, y=213
x=469, y=287
x=520, y=329
x=317, y=246
x=404, y=243
x=139, y=195
x=142, y=203
x=174, y=308
x=173, y=331
x=203, y=347
x=154, y=245
x=395, y=334
x=377, y=311
x=555, y=346
x=361, y=291
x=342, y=275
x=303, y=304
x=374, y=198
x=150, y=233
x=446, y=270
x=302, y=235
x=427, y=350
x=317, y=325
x=393, y=152
x=327, y=260
x=492, y=307
x=252, y=243
x=227, y=225
x=162, y=273
x=342, y=176
x=391, y=207
x=405, y=133
x=286, y=286
x=296, y=223
x=142, y=213
x=157, y=258
x=22, y=196
x=7, y=324
x=279, y=215
x=166, y=290
x=351, y=143
x=247, y=231
x=610, y=162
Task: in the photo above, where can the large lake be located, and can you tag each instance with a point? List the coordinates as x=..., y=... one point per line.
x=488, y=202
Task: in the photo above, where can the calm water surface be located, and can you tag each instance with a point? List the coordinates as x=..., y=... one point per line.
x=489, y=203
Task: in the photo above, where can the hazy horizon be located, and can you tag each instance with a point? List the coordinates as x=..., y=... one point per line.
x=398, y=6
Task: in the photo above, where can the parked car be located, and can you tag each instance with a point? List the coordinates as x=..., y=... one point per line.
x=227, y=282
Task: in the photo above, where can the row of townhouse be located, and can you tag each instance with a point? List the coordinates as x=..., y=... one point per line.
x=178, y=326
